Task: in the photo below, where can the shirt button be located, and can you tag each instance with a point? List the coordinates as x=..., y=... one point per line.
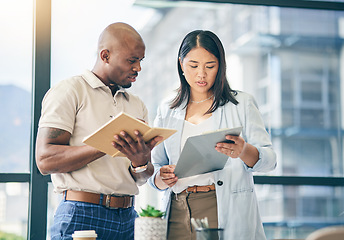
x=220, y=183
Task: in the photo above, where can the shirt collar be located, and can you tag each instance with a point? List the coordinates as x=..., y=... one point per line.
x=122, y=91
x=95, y=82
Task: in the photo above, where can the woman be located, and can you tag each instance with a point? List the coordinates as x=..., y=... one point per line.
x=205, y=102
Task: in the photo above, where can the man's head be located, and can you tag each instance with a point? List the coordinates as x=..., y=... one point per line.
x=120, y=51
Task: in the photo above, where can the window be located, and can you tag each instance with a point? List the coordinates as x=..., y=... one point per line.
x=288, y=58
x=16, y=28
x=15, y=84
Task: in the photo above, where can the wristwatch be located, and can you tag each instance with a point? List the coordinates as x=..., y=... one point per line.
x=138, y=169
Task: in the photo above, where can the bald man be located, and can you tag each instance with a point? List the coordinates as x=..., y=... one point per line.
x=98, y=190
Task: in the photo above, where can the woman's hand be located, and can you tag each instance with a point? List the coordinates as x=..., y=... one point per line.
x=233, y=148
x=236, y=147
x=166, y=178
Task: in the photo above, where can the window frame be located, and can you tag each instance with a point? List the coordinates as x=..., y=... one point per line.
x=38, y=196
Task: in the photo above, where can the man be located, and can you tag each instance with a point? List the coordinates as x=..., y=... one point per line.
x=98, y=189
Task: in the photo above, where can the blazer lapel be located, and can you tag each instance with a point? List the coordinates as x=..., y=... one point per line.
x=177, y=122
x=218, y=120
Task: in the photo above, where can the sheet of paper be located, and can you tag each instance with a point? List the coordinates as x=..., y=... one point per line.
x=199, y=155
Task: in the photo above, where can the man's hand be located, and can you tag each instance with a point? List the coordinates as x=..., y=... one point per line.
x=138, y=152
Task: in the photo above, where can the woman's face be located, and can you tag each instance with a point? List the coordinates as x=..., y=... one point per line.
x=200, y=69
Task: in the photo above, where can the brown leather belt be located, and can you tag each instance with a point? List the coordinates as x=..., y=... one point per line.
x=109, y=201
x=196, y=189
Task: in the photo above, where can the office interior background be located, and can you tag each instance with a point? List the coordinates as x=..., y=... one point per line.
x=288, y=54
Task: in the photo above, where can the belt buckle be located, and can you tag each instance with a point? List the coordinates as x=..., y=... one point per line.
x=193, y=189
x=124, y=203
x=108, y=200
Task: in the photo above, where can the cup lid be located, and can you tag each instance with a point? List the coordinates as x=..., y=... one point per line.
x=85, y=233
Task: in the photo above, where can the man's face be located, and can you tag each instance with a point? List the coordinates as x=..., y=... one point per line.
x=125, y=63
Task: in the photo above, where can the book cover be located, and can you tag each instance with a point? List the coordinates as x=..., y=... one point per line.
x=102, y=138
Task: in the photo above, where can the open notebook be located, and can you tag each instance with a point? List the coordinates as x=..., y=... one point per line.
x=102, y=138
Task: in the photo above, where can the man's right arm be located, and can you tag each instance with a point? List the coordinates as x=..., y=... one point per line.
x=54, y=155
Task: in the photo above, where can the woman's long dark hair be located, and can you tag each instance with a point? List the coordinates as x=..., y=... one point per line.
x=221, y=89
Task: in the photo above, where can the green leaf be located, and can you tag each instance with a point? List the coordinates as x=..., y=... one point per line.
x=150, y=211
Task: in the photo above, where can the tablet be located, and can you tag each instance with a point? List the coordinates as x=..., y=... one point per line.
x=199, y=156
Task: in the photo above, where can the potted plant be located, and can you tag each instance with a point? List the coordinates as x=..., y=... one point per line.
x=150, y=224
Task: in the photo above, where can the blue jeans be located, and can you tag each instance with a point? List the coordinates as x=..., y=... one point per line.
x=109, y=224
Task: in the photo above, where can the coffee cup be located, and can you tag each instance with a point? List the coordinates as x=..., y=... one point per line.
x=85, y=235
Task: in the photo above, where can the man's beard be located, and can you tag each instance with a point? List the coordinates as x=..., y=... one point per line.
x=126, y=86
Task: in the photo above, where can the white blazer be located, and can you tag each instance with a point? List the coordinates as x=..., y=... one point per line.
x=237, y=205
